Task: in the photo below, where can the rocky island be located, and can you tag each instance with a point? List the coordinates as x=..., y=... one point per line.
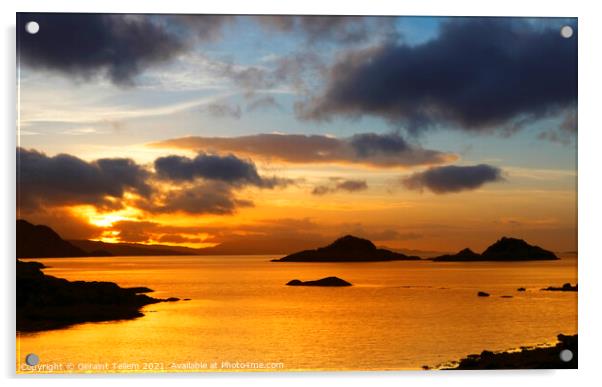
x=347, y=249
x=46, y=302
x=328, y=281
x=567, y=287
x=505, y=249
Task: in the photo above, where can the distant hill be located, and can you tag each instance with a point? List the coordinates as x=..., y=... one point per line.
x=505, y=249
x=133, y=249
x=347, y=249
x=41, y=241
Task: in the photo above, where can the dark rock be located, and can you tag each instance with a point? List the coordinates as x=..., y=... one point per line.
x=521, y=289
x=564, y=288
x=506, y=296
x=171, y=299
x=347, y=249
x=483, y=294
x=187, y=299
x=328, y=281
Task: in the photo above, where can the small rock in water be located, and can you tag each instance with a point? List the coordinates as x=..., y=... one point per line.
x=483, y=294
x=521, y=289
x=328, y=281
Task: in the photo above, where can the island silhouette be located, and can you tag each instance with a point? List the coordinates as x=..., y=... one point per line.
x=328, y=281
x=505, y=249
x=347, y=249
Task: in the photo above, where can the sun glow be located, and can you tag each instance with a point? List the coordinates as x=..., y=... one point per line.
x=106, y=219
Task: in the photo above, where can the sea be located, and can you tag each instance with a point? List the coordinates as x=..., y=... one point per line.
x=241, y=316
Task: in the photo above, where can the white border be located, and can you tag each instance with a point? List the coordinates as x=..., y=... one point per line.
x=590, y=63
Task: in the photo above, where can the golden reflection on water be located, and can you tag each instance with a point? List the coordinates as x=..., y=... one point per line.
x=398, y=315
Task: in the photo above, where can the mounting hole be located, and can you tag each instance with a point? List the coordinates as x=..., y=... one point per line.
x=32, y=359
x=32, y=27
x=566, y=31
x=566, y=355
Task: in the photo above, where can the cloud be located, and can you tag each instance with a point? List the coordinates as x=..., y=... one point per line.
x=66, y=180
x=263, y=103
x=479, y=74
x=205, y=198
x=206, y=184
x=326, y=28
x=447, y=179
x=203, y=27
x=341, y=185
x=370, y=144
x=87, y=45
x=228, y=169
x=176, y=238
x=222, y=110
x=382, y=150
x=565, y=133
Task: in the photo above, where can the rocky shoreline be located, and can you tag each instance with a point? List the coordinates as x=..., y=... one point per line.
x=525, y=358
x=45, y=302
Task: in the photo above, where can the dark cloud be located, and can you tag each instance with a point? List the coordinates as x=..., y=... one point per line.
x=87, y=45
x=203, y=27
x=67, y=180
x=204, y=198
x=327, y=28
x=300, y=70
x=134, y=231
x=384, y=150
x=565, y=133
x=222, y=110
x=441, y=180
x=229, y=169
x=206, y=183
x=370, y=144
x=341, y=185
x=478, y=74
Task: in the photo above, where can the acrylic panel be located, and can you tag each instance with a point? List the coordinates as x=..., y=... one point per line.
x=254, y=193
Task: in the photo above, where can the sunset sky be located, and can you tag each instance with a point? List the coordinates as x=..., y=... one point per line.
x=270, y=134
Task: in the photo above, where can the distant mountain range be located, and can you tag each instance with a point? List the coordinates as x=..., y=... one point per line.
x=133, y=249
x=39, y=241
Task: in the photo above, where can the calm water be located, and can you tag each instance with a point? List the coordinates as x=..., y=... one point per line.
x=398, y=315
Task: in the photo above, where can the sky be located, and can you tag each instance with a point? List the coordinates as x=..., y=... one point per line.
x=267, y=134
